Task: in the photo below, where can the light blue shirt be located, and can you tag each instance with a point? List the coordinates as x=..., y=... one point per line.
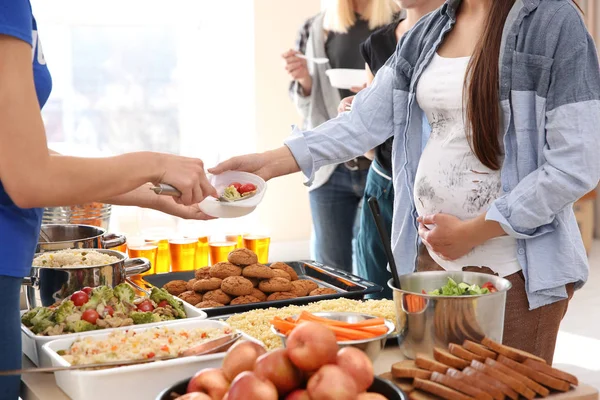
x=550, y=103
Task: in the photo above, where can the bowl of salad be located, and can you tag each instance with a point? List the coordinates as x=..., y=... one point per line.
x=239, y=194
x=435, y=309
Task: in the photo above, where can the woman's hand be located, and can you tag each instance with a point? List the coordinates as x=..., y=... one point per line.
x=452, y=238
x=345, y=104
x=297, y=69
x=267, y=165
x=188, y=176
x=168, y=205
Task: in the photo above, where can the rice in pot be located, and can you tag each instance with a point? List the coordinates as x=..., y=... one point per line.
x=73, y=258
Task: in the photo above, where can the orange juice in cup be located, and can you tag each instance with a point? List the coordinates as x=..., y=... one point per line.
x=237, y=238
x=183, y=254
x=259, y=245
x=220, y=250
x=146, y=250
x=201, y=259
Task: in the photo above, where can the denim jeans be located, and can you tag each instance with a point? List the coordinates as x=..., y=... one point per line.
x=10, y=336
x=371, y=260
x=334, y=208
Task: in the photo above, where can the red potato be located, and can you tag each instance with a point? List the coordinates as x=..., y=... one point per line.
x=241, y=357
x=248, y=386
x=370, y=396
x=356, y=364
x=211, y=381
x=312, y=345
x=277, y=368
x=194, y=396
x=332, y=383
x=299, y=394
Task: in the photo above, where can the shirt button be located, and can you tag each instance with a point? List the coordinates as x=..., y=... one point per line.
x=521, y=251
x=506, y=188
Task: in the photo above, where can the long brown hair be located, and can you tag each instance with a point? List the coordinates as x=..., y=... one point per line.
x=483, y=98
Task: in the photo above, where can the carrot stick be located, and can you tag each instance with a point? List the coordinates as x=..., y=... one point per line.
x=375, y=330
x=306, y=316
x=282, y=326
x=352, y=333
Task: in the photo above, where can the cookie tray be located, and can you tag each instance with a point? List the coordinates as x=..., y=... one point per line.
x=347, y=286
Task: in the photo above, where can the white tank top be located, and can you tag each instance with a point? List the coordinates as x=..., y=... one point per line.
x=450, y=178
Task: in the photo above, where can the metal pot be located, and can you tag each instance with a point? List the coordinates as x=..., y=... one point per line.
x=441, y=320
x=62, y=237
x=48, y=285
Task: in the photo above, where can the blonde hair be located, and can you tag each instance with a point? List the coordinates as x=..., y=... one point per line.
x=340, y=15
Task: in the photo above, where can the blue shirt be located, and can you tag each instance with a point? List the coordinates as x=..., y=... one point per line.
x=550, y=102
x=19, y=228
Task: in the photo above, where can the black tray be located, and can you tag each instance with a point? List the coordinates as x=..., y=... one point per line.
x=382, y=386
x=347, y=285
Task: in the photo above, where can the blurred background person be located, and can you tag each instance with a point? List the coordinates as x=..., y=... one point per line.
x=336, y=34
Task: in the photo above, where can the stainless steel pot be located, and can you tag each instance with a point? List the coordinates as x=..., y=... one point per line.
x=48, y=285
x=425, y=322
x=62, y=237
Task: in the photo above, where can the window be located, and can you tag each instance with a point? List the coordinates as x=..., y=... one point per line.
x=132, y=75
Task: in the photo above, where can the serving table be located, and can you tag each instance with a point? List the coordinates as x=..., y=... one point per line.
x=43, y=386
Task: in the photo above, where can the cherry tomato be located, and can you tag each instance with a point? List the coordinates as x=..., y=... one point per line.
x=79, y=298
x=110, y=310
x=248, y=187
x=489, y=286
x=90, y=316
x=87, y=290
x=145, y=306
x=163, y=304
x=236, y=185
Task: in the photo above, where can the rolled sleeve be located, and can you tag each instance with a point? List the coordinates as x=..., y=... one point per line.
x=518, y=232
x=299, y=148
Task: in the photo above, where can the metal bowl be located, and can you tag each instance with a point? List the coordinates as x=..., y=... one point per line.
x=441, y=320
x=372, y=347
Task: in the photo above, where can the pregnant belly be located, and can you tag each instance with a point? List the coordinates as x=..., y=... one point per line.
x=453, y=181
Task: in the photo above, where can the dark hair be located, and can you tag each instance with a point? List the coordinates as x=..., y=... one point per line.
x=482, y=89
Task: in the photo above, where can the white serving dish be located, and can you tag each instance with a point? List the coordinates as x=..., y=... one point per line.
x=220, y=209
x=32, y=343
x=342, y=78
x=143, y=381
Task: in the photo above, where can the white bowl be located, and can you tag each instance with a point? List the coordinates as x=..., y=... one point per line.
x=346, y=78
x=142, y=381
x=220, y=209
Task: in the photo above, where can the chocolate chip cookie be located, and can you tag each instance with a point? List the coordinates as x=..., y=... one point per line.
x=286, y=268
x=242, y=257
x=223, y=270
x=275, y=285
x=237, y=286
x=258, y=271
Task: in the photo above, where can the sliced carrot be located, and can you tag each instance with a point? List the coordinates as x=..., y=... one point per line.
x=375, y=330
x=351, y=333
x=306, y=316
x=282, y=326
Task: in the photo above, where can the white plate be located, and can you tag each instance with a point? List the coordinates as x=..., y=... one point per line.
x=220, y=209
x=143, y=381
x=32, y=343
x=342, y=78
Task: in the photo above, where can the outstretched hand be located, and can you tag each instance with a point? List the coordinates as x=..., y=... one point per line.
x=267, y=165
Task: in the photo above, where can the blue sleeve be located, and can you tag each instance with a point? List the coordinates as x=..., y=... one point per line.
x=16, y=19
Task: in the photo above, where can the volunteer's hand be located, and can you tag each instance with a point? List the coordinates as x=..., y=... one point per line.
x=168, y=205
x=188, y=176
x=297, y=69
x=345, y=104
x=267, y=165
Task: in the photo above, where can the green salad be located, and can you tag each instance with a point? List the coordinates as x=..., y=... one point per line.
x=103, y=307
x=462, y=289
